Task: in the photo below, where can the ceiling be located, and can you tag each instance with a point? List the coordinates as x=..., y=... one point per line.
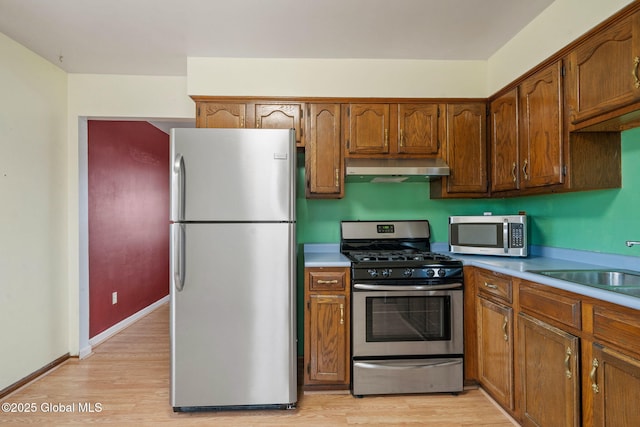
x=154, y=37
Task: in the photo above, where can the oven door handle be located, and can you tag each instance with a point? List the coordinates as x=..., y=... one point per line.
x=367, y=287
x=391, y=365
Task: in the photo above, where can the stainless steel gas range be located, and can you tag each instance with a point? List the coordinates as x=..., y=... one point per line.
x=407, y=310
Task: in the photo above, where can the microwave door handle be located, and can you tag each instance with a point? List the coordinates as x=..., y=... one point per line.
x=505, y=236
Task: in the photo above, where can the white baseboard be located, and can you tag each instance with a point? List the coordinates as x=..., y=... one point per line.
x=86, y=351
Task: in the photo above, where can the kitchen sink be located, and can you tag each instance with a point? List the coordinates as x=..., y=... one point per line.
x=622, y=281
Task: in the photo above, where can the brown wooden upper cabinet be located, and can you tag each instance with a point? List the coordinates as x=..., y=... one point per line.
x=418, y=129
x=505, y=153
x=605, y=70
x=401, y=130
x=465, y=140
x=251, y=114
x=368, y=128
x=221, y=115
x=280, y=116
x=324, y=174
x=541, y=128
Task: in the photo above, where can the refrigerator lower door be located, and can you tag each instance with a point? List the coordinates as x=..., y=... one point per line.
x=233, y=329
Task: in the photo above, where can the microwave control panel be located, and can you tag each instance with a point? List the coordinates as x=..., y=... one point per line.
x=517, y=235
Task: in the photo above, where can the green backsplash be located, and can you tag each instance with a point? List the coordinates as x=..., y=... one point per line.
x=593, y=220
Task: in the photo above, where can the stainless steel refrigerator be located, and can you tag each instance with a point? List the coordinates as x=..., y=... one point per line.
x=233, y=269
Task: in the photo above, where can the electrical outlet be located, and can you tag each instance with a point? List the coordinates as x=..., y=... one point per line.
x=114, y=298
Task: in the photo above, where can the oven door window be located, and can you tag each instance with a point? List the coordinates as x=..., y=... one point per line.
x=408, y=318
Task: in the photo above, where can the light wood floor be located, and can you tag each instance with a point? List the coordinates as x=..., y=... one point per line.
x=126, y=382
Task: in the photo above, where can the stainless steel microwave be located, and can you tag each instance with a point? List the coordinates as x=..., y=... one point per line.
x=503, y=235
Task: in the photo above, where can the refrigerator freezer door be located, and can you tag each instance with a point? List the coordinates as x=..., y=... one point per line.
x=233, y=329
x=232, y=175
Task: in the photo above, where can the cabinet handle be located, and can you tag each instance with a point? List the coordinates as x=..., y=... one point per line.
x=401, y=137
x=242, y=122
x=513, y=172
x=337, y=178
x=342, y=314
x=636, y=62
x=490, y=285
x=327, y=282
x=257, y=123
x=592, y=376
x=524, y=170
x=504, y=328
x=567, y=358
x=386, y=138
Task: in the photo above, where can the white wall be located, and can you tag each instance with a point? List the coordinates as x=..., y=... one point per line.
x=336, y=77
x=558, y=25
x=34, y=309
x=93, y=96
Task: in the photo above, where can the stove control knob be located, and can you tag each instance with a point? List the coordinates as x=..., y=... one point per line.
x=386, y=272
x=430, y=272
x=408, y=272
x=442, y=272
x=373, y=272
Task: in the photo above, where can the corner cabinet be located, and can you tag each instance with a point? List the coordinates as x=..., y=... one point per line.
x=323, y=152
x=326, y=328
x=465, y=139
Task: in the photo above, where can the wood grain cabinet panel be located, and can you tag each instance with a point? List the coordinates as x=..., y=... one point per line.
x=615, y=386
x=541, y=126
x=495, y=351
x=281, y=116
x=504, y=143
x=324, y=170
x=221, y=115
x=368, y=129
x=550, y=376
x=326, y=328
x=605, y=70
x=418, y=129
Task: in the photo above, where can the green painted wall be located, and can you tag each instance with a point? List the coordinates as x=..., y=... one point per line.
x=593, y=220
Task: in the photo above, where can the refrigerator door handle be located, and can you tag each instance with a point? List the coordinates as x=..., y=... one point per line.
x=179, y=173
x=179, y=269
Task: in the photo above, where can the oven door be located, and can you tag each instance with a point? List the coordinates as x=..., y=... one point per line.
x=406, y=322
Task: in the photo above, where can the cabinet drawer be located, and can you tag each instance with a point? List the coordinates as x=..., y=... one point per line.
x=327, y=280
x=620, y=326
x=551, y=305
x=496, y=284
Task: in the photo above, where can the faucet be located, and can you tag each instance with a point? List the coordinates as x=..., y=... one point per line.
x=632, y=243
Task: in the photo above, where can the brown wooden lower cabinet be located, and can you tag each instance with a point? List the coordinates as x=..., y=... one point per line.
x=575, y=359
x=615, y=385
x=326, y=328
x=495, y=353
x=550, y=374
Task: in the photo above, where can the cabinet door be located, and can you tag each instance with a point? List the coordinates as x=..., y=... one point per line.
x=280, y=116
x=550, y=375
x=327, y=338
x=220, y=115
x=504, y=142
x=615, y=384
x=606, y=69
x=418, y=129
x=323, y=151
x=466, y=144
x=495, y=350
x=541, y=128
x=368, y=129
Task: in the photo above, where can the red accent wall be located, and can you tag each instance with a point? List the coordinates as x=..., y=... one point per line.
x=128, y=168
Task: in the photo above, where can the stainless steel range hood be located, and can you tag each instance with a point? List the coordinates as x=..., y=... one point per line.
x=395, y=170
